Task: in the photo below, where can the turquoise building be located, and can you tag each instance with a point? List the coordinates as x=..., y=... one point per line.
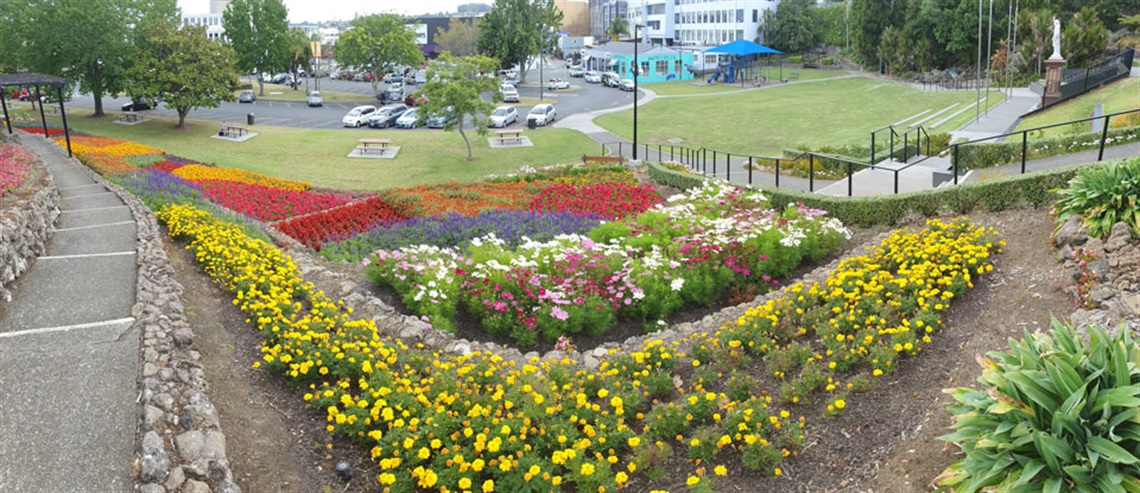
x=658, y=63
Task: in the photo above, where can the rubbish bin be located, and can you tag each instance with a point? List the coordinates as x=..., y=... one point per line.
x=531, y=123
x=249, y=119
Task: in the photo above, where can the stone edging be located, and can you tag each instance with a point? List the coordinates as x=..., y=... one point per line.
x=181, y=446
x=27, y=224
x=1115, y=291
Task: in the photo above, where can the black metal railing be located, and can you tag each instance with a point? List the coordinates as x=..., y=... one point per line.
x=718, y=162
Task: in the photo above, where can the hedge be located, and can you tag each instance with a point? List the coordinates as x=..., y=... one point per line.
x=986, y=155
x=1031, y=189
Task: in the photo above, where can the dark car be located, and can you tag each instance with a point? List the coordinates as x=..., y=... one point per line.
x=442, y=119
x=247, y=96
x=140, y=105
x=386, y=117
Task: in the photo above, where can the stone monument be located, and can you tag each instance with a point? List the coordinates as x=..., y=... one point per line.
x=1054, y=68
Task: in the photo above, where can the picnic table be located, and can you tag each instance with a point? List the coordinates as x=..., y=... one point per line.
x=129, y=117
x=509, y=134
x=235, y=131
x=367, y=145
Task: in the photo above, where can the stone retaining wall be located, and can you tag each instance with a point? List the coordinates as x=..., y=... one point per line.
x=26, y=223
x=181, y=446
x=1114, y=296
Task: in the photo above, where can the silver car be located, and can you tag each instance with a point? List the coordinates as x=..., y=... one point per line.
x=504, y=116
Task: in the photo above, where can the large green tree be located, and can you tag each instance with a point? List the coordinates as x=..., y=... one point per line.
x=457, y=83
x=618, y=27
x=1034, y=35
x=184, y=68
x=258, y=31
x=515, y=31
x=1084, y=38
x=791, y=29
x=88, y=43
x=300, y=51
x=378, y=43
x=869, y=18
x=461, y=37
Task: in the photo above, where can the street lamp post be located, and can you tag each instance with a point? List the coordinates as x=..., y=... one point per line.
x=636, y=69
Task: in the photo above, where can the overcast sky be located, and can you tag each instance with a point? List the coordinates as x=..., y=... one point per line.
x=324, y=10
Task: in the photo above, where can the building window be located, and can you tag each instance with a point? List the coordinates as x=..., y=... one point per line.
x=677, y=68
x=644, y=69
x=662, y=68
x=739, y=15
x=755, y=15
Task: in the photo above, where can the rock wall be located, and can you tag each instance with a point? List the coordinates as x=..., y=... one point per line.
x=26, y=222
x=1113, y=296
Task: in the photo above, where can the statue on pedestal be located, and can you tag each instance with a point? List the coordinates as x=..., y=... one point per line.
x=1056, y=39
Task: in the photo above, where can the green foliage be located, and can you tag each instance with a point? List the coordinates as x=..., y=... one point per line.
x=456, y=84
x=1032, y=189
x=461, y=37
x=516, y=30
x=791, y=29
x=258, y=32
x=618, y=27
x=1084, y=38
x=378, y=43
x=1055, y=414
x=988, y=154
x=184, y=68
x=1103, y=196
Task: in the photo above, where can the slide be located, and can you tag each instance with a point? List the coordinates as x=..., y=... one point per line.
x=730, y=77
x=715, y=76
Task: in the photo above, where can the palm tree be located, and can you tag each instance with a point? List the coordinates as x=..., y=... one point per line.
x=618, y=28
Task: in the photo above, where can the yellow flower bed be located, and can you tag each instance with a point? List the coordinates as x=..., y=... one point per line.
x=198, y=172
x=437, y=422
x=108, y=146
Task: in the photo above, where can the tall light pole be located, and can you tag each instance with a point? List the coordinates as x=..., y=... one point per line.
x=636, y=69
x=989, y=54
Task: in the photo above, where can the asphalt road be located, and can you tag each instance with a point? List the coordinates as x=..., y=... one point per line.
x=581, y=98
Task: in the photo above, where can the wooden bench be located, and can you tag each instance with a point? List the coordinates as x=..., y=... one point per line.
x=129, y=117
x=235, y=131
x=367, y=145
x=602, y=159
x=508, y=134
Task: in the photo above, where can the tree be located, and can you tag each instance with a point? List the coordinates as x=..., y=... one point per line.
x=378, y=43
x=84, y=42
x=617, y=28
x=458, y=83
x=791, y=27
x=514, y=31
x=300, y=52
x=1084, y=39
x=184, y=68
x=1035, y=35
x=258, y=31
x=461, y=37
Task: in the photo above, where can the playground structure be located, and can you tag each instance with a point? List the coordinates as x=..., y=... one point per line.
x=744, y=63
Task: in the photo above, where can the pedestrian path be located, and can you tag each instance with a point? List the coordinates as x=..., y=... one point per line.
x=69, y=360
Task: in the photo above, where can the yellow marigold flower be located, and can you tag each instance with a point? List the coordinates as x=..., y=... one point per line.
x=587, y=469
x=634, y=441
x=778, y=471
x=489, y=486
x=621, y=477
x=839, y=404
x=720, y=471
x=693, y=480
x=464, y=483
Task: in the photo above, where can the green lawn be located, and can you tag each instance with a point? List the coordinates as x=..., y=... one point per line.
x=319, y=156
x=698, y=85
x=1119, y=96
x=996, y=96
x=764, y=122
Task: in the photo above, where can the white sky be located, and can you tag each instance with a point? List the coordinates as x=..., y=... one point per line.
x=324, y=10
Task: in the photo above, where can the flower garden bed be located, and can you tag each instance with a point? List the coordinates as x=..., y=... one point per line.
x=15, y=163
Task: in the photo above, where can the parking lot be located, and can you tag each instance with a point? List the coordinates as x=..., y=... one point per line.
x=580, y=98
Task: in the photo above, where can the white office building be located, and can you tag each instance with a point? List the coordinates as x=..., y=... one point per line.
x=213, y=20
x=698, y=22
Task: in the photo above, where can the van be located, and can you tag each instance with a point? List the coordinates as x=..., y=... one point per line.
x=611, y=79
x=315, y=99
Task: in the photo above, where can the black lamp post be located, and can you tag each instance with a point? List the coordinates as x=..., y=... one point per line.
x=636, y=69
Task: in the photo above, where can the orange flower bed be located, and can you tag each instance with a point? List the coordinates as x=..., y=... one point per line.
x=198, y=172
x=106, y=164
x=468, y=199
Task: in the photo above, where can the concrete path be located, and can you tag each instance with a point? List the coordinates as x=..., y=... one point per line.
x=69, y=361
x=1000, y=119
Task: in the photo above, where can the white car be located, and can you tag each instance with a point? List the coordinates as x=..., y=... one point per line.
x=627, y=85
x=358, y=116
x=593, y=77
x=557, y=83
x=510, y=94
x=577, y=71
x=503, y=116
x=542, y=114
x=410, y=119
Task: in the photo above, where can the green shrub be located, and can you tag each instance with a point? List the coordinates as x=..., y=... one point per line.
x=828, y=60
x=1104, y=196
x=794, y=59
x=1054, y=415
x=989, y=154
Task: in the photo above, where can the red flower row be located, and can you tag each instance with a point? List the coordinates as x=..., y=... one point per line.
x=608, y=200
x=165, y=166
x=341, y=223
x=267, y=203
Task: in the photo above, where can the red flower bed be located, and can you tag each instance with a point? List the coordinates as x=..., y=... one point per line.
x=165, y=166
x=40, y=131
x=267, y=203
x=341, y=223
x=608, y=200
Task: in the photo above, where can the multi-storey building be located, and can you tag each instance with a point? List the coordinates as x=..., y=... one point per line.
x=213, y=20
x=602, y=13
x=685, y=22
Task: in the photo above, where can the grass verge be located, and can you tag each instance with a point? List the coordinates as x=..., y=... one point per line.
x=1119, y=96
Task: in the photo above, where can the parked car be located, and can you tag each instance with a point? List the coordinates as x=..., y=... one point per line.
x=386, y=117
x=140, y=104
x=503, y=116
x=511, y=79
x=315, y=99
x=358, y=116
x=396, y=91
x=442, y=119
x=627, y=85
x=611, y=79
x=392, y=78
x=510, y=94
x=410, y=119
x=279, y=78
x=542, y=115
x=558, y=83
x=247, y=96
x=421, y=77
x=577, y=71
x=593, y=77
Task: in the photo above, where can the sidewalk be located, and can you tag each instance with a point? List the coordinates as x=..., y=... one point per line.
x=1001, y=119
x=69, y=361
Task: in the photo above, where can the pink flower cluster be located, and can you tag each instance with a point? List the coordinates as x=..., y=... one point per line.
x=14, y=165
